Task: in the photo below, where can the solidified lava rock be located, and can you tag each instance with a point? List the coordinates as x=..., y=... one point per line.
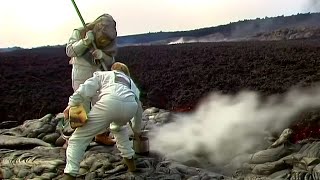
x=38, y=81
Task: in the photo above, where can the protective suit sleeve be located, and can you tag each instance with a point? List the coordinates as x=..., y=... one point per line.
x=137, y=119
x=86, y=90
x=108, y=60
x=135, y=90
x=76, y=45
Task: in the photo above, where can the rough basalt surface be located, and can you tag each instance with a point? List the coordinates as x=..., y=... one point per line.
x=41, y=157
x=36, y=84
x=38, y=81
x=38, y=157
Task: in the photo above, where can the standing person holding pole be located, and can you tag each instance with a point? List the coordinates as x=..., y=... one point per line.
x=92, y=48
x=86, y=59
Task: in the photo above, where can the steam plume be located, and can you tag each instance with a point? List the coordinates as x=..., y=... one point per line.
x=224, y=126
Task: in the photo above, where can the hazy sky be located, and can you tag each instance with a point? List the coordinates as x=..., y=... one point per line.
x=32, y=23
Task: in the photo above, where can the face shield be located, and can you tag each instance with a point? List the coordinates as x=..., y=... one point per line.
x=104, y=30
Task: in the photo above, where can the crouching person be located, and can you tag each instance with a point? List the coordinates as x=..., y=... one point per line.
x=118, y=103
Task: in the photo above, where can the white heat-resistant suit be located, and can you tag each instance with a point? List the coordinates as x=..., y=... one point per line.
x=82, y=61
x=118, y=103
x=81, y=58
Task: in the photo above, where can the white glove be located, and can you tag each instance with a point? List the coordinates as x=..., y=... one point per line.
x=97, y=54
x=89, y=38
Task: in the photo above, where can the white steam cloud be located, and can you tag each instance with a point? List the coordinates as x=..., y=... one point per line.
x=224, y=126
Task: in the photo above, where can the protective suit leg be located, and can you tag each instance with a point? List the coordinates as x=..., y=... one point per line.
x=82, y=136
x=119, y=128
x=123, y=143
x=80, y=74
x=101, y=115
x=103, y=138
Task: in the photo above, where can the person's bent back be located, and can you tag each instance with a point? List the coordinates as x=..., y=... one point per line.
x=118, y=103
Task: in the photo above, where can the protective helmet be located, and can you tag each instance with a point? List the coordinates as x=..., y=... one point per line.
x=104, y=30
x=118, y=66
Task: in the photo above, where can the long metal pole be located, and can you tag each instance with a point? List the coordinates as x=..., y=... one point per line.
x=79, y=14
x=84, y=25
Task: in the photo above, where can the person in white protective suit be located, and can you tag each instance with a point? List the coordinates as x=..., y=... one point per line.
x=118, y=103
x=85, y=59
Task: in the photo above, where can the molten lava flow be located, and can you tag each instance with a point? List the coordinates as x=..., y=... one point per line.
x=305, y=130
x=183, y=108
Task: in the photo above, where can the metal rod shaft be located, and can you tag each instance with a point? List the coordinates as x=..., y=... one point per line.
x=79, y=14
x=84, y=25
